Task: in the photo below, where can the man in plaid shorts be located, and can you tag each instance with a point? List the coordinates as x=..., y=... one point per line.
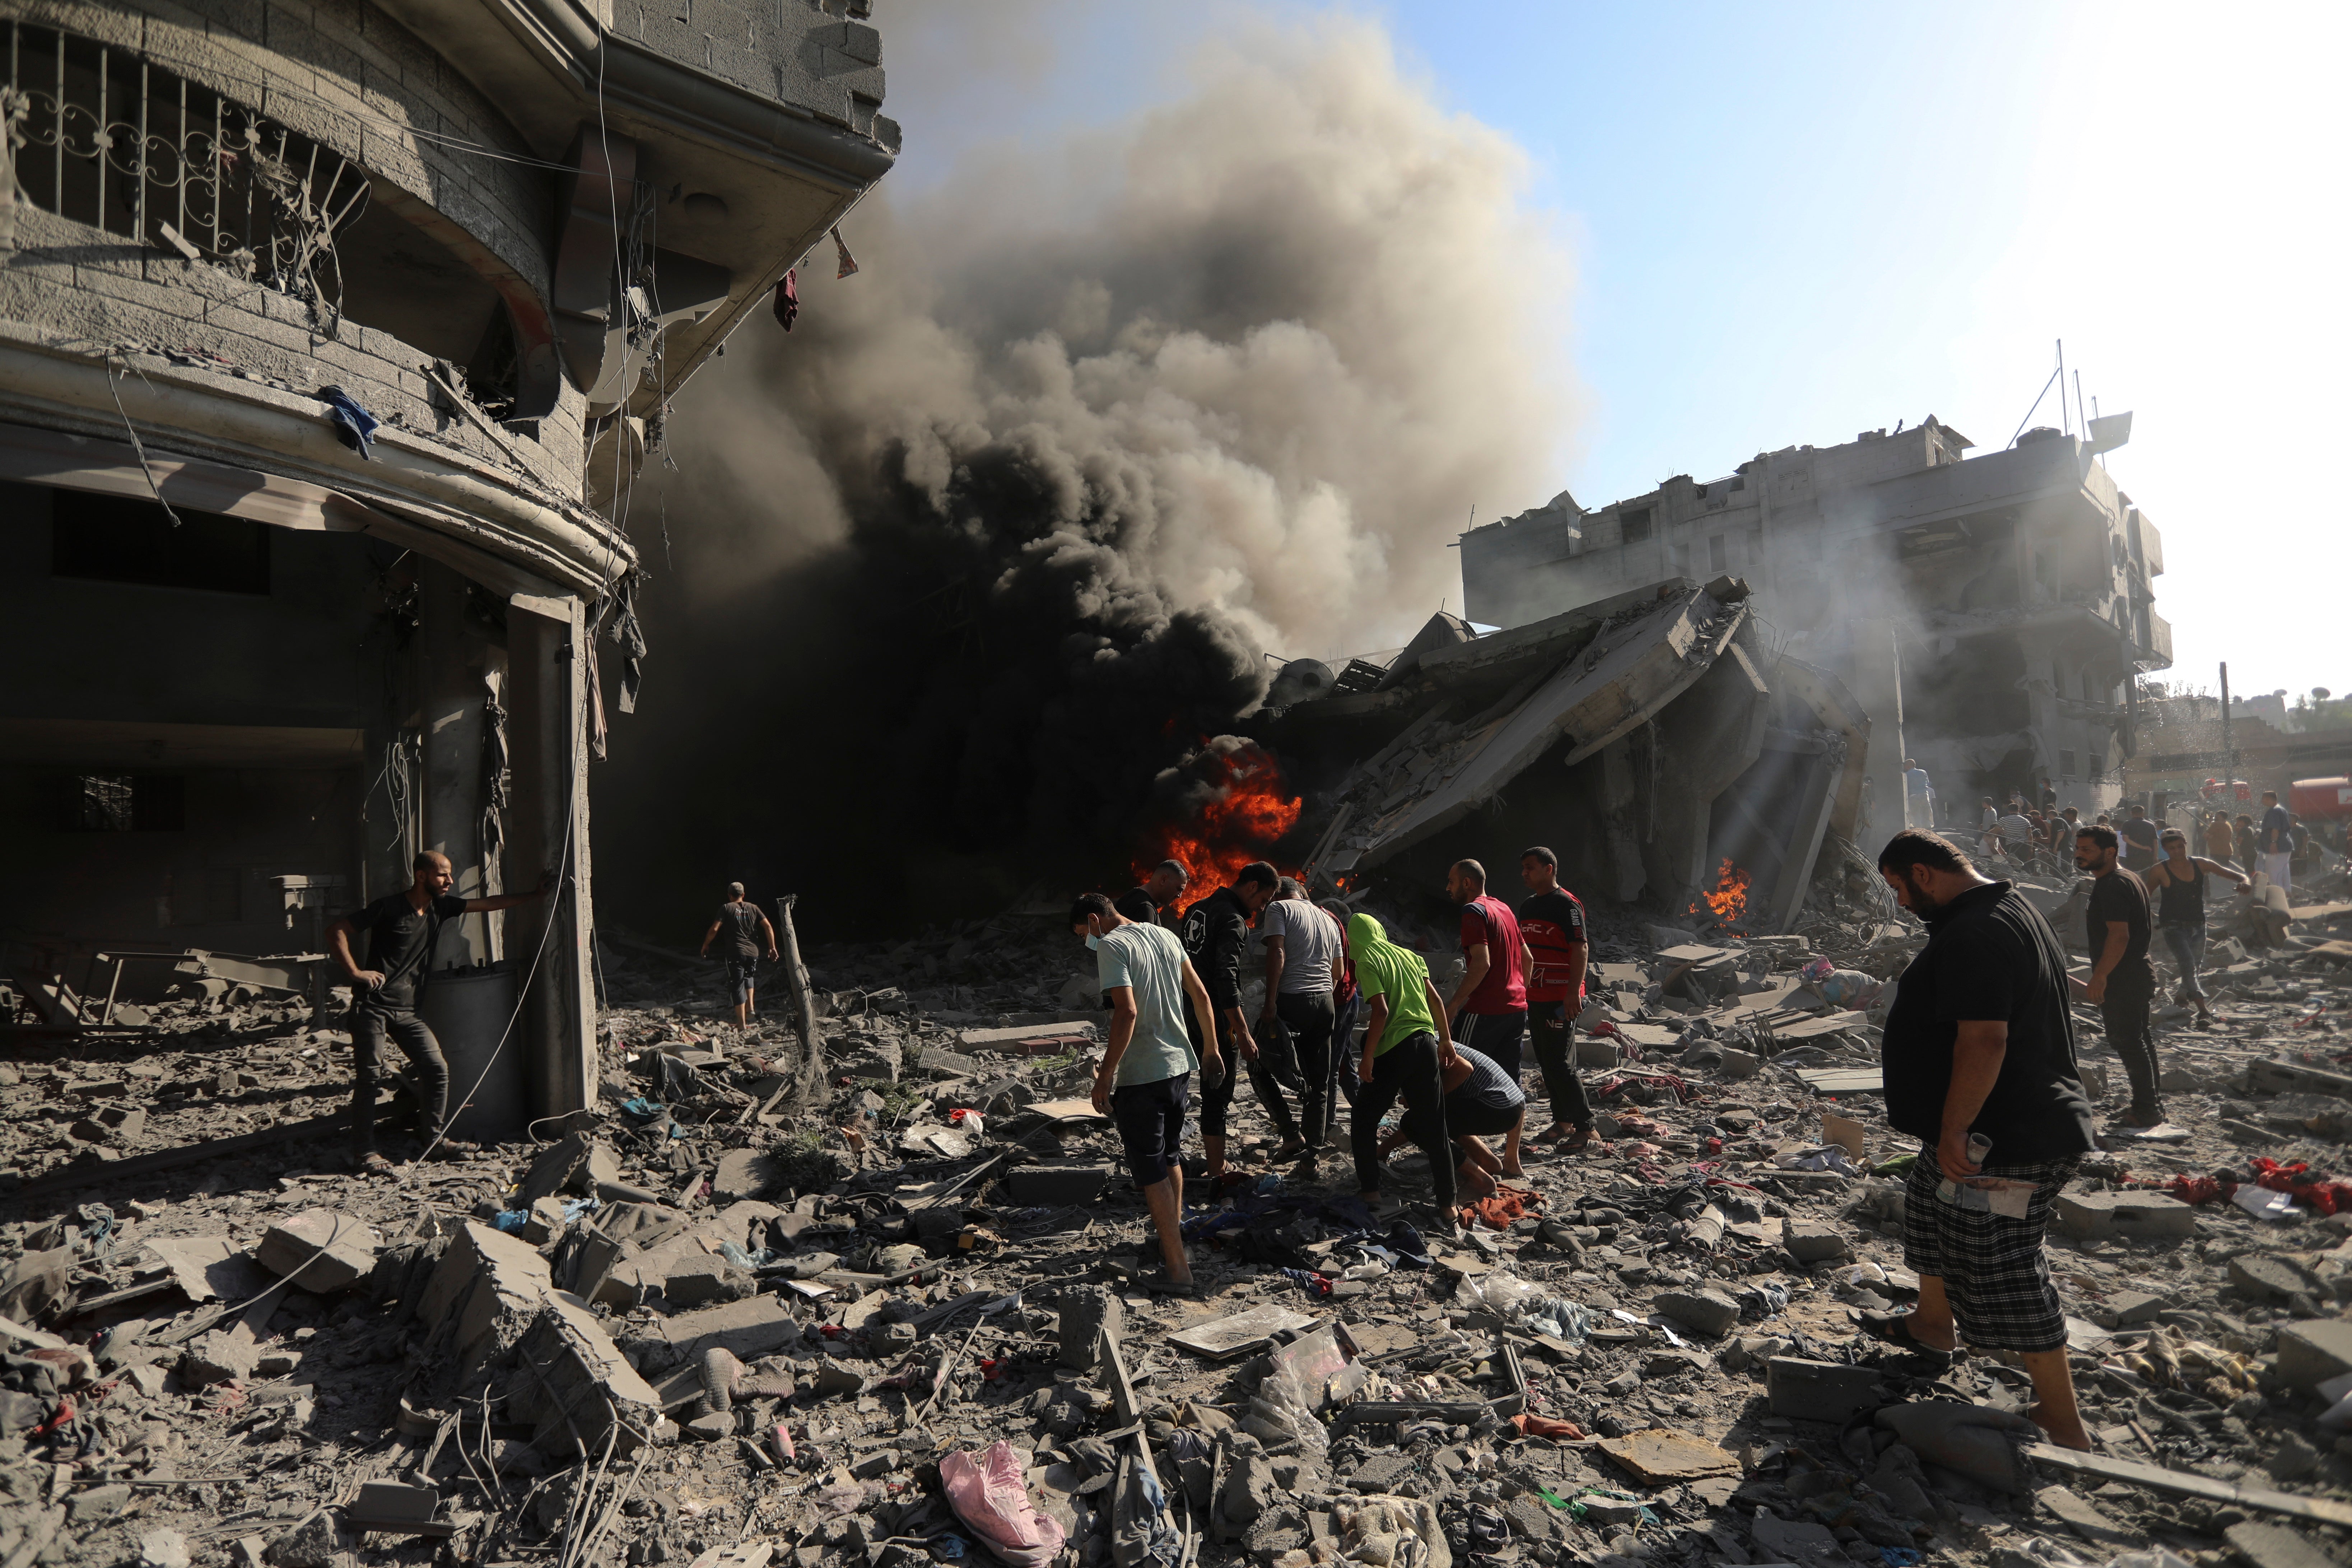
x=1979, y=1045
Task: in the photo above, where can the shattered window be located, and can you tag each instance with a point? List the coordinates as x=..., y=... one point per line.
x=122, y=802
x=1718, y=553
x=2066, y=765
x=1634, y=525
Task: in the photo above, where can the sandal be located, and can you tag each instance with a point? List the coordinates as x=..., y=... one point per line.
x=1157, y=1282
x=1576, y=1142
x=1895, y=1329
x=371, y=1163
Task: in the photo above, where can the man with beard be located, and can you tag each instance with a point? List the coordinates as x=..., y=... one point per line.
x=1489, y=1009
x=1979, y=1058
x=1215, y=933
x=1153, y=903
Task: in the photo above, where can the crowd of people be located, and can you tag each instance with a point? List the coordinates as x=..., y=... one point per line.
x=1450, y=1063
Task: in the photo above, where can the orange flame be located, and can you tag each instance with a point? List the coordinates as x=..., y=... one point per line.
x=1247, y=814
x=1728, y=900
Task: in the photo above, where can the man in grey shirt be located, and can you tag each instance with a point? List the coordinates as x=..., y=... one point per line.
x=747, y=927
x=1303, y=947
x=1144, y=1081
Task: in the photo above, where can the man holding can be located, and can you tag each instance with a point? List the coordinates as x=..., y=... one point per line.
x=1979, y=1054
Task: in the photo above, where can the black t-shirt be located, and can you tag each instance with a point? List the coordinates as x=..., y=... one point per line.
x=2139, y=841
x=739, y=923
x=400, y=940
x=1989, y=956
x=1215, y=931
x=2118, y=896
x=1136, y=905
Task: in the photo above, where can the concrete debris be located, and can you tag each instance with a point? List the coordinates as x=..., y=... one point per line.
x=792, y=1316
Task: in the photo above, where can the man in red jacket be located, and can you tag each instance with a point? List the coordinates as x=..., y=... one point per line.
x=1488, y=1010
x=1552, y=922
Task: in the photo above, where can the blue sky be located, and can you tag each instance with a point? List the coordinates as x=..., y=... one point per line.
x=1794, y=221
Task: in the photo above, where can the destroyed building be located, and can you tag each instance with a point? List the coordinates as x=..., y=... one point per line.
x=1653, y=737
x=332, y=338
x=1989, y=613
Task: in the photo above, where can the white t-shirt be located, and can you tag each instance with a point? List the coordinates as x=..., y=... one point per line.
x=1149, y=961
x=1310, y=943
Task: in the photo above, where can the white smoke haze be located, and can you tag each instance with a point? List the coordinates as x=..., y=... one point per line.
x=1266, y=342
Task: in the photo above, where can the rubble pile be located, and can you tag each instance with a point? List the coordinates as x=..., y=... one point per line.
x=906, y=1321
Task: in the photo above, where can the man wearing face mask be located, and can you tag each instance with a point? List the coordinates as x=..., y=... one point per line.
x=1979, y=1045
x=1144, y=1083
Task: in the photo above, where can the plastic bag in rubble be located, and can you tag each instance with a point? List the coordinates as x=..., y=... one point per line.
x=1505, y=1294
x=988, y=1494
x=1562, y=1320
x=1291, y=1396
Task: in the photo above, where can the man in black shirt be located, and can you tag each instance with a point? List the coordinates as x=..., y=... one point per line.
x=1979, y=1046
x=1214, y=931
x=2123, y=981
x=403, y=930
x=2138, y=841
x=1154, y=902
x=747, y=927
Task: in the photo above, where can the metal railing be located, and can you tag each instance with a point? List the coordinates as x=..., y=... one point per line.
x=98, y=135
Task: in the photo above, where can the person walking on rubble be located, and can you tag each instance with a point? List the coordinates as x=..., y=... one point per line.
x=1144, y=1081
x=2138, y=835
x=1153, y=901
x=1918, y=795
x=1979, y=1050
x=2179, y=882
x=403, y=931
x=1302, y=956
x=1404, y=1035
x=2242, y=832
x=2123, y=981
x=1552, y=923
x=1489, y=1009
x=2275, y=840
x=747, y=927
x=1216, y=931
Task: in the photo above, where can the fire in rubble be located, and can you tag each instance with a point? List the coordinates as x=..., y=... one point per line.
x=1233, y=810
x=1728, y=900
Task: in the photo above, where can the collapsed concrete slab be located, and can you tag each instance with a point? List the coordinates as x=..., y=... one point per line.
x=320, y=1250
x=573, y=1384
x=485, y=1291
x=1660, y=715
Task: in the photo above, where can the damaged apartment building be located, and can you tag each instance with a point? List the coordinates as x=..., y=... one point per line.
x=332, y=338
x=1990, y=614
x=1654, y=737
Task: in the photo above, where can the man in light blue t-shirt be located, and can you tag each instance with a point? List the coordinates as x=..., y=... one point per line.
x=1144, y=1083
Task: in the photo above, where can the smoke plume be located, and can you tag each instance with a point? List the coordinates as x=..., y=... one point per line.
x=1004, y=529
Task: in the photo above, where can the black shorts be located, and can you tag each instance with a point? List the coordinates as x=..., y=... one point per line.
x=1150, y=1121
x=1500, y=1038
x=742, y=974
x=1992, y=1267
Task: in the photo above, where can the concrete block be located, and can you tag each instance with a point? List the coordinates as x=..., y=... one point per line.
x=2274, y=1546
x=1740, y=1064
x=741, y=1174
x=2312, y=1351
x=1087, y=1313
x=1708, y=1313
x=1059, y=1183
x=2132, y=1308
x=489, y=1288
x=2269, y=1278
x=561, y=1167
x=223, y=1355
x=546, y=1222
x=694, y=1282
x=2095, y=1216
x=1592, y=1051
x=1809, y=1242
x=1821, y=1391
x=321, y=1250
x=569, y=1380
x=750, y=1328
x=835, y=1377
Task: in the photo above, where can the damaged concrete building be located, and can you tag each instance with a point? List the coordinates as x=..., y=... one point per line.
x=332, y=337
x=1654, y=739
x=1989, y=613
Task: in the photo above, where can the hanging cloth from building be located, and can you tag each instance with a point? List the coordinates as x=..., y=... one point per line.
x=841, y=253
x=788, y=298
x=354, y=425
x=631, y=636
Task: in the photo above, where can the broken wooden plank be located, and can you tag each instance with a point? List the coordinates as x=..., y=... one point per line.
x=2131, y=1472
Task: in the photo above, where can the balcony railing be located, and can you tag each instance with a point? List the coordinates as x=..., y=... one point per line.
x=98, y=135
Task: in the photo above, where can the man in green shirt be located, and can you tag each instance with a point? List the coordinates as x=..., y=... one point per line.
x=1405, y=1026
x=1144, y=1081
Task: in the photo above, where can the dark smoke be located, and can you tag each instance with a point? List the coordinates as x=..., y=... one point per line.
x=994, y=538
